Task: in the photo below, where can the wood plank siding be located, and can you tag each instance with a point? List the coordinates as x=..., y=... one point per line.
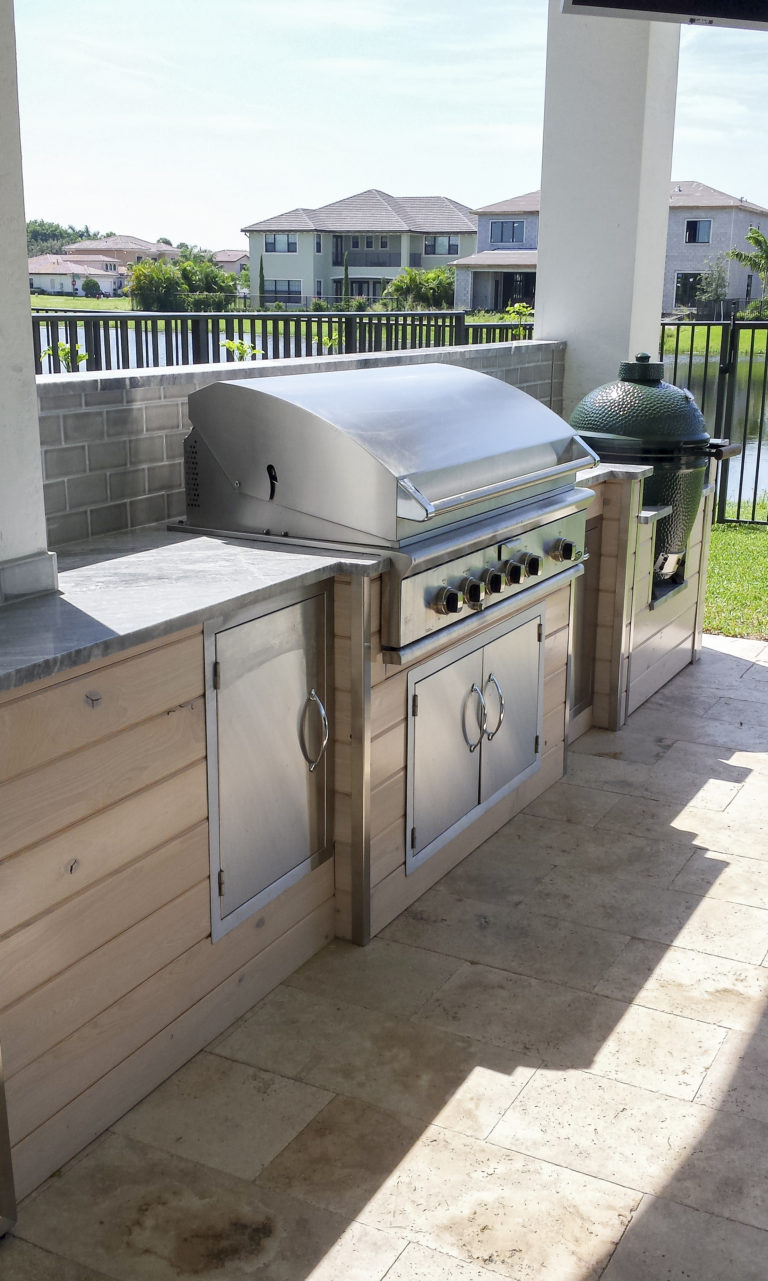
x=110, y=979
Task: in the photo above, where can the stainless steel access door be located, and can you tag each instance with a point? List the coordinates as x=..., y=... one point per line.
x=511, y=672
x=268, y=812
x=474, y=730
x=446, y=757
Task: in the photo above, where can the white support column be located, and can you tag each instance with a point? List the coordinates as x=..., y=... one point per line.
x=609, y=118
x=26, y=566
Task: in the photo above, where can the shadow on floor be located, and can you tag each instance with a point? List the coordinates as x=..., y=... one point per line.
x=550, y=1067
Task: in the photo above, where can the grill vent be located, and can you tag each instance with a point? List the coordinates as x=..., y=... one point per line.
x=192, y=474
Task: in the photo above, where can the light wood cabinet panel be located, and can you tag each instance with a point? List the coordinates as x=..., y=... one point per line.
x=69, y=789
x=30, y=1027
x=59, y=720
x=55, y=941
x=47, y=874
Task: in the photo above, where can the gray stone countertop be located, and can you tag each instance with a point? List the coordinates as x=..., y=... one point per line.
x=127, y=589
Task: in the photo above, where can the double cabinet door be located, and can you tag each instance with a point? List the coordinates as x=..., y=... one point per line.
x=268, y=733
x=473, y=731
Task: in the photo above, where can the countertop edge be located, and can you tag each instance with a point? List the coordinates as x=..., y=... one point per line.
x=45, y=636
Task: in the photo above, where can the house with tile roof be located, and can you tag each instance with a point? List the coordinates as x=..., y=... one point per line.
x=61, y=274
x=124, y=249
x=703, y=223
x=304, y=250
x=233, y=260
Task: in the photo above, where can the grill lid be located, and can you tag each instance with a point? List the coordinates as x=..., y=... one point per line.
x=364, y=449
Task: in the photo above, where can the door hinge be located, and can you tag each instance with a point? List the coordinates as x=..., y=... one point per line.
x=415, y=705
x=413, y=838
x=540, y=632
x=217, y=675
x=221, y=882
x=536, y=745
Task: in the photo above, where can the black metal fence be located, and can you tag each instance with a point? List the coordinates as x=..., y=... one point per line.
x=105, y=340
x=725, y=368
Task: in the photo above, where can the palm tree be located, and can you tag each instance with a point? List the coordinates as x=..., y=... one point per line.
x=414, y=289
x=757, y=261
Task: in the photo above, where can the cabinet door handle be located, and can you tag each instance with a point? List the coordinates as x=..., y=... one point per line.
x=484, y=721
x=313, y=697
x=492, y=681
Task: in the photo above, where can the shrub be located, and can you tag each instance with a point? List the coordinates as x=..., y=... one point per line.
x=91, y=288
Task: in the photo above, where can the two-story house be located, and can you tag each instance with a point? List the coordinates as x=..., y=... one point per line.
x=703, y=223
x=304, y=251
x=503, y=269
x=125, y=250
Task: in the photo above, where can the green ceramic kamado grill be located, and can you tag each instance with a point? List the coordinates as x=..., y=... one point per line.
x=641, y=419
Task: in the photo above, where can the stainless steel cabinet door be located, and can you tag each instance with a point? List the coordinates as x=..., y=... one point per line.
x=511, y=680
x=271, y=729
x=447, y=731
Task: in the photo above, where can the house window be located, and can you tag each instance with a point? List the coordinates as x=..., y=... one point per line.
x=369, y=242
x=441, y=245
x=748, y=289
x=686, y=288
x=318, y=288
x=698, y=231
x=383, y=242
x=282, y=290
x=318, y=243
x=280, y=242
x=355, y=242
x=507, y=233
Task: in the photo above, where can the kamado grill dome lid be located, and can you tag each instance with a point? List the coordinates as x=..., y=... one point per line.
x=640, y=411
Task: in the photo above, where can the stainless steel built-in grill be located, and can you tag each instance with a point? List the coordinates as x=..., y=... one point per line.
x=468, y=484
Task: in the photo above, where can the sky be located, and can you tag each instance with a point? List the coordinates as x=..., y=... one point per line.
x=192, y=118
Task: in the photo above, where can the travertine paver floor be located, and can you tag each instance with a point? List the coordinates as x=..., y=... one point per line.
x=553, y=1067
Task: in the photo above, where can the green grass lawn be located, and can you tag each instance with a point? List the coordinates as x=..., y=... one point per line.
x=737, y=581
x=711, y=337
x=53, y=302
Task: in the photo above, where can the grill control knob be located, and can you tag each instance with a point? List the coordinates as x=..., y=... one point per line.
x=524, y=565
x=564, y=549
x=448, y=600
x=494, y=581
x=474, y=592
x=513, y=571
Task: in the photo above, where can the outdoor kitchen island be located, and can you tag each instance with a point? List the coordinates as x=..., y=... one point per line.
x=111, y=979
x=218, y=751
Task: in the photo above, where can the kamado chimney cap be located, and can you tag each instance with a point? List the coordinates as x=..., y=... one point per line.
x=641, y=370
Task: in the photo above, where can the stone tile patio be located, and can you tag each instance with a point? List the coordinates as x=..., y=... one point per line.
x=553, y=1067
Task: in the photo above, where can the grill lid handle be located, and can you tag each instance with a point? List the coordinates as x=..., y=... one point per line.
x=411, y=503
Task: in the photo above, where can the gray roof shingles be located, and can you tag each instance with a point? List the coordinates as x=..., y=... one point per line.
x=682, y=195
x=375, y=210
x=123, y=242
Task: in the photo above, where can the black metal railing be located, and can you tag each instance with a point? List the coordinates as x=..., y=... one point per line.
x=725, y=368
x=95, y=341
x=499, y=331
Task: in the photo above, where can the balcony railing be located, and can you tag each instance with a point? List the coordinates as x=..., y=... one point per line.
x=367, y=258
x=80, y=341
